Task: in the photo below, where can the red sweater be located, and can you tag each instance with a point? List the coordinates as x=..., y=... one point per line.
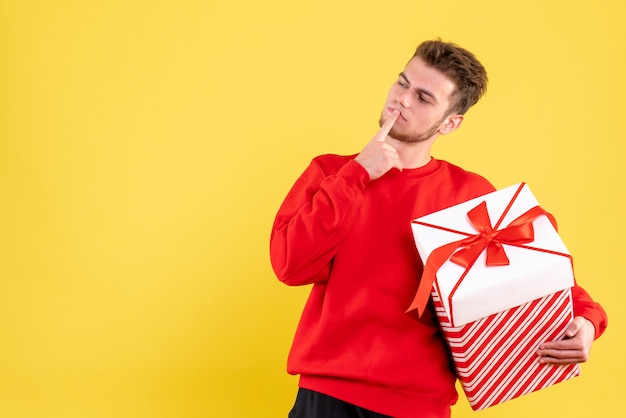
x=352, y=239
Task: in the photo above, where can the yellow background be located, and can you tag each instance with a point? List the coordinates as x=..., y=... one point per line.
x=145, y=147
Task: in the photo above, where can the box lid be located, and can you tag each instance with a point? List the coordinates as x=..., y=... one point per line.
x=536, y=269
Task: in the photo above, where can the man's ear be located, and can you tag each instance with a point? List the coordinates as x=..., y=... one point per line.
x=451, y=124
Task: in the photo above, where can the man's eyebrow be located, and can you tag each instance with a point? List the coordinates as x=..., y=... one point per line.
x=422, y=91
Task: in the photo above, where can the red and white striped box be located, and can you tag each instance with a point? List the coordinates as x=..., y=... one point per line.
x=500, y=288
x=495, y=356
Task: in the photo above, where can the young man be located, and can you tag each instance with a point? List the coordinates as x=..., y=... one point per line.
x=345, y=228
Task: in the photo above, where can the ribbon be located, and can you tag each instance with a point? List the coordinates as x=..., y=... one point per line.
x=520, y=231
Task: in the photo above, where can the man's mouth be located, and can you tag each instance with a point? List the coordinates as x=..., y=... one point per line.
x=392, y=109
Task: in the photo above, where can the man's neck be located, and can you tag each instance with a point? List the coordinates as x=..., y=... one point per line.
x=413, y=154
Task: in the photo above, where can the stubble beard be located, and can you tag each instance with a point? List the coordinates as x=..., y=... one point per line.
x=413, y=137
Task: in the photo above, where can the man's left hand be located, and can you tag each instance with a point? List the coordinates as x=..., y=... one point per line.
x=574, y=348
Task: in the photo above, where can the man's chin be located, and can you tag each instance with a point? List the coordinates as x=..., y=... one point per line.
x=408, y=139
x=400, y=136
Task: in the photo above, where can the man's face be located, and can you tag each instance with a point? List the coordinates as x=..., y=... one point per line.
x=422, y=95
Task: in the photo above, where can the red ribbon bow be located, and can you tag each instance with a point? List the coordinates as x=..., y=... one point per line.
x=518, y=232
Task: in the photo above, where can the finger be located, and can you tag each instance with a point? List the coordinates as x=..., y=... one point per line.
x=571, y=344
x=381, y=135
x=556, y=345
x=572, y=329
x=561, y=361
x=563, y=356
x=575, y=342
x=563, y=353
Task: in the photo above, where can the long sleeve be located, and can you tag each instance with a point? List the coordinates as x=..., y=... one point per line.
x=314, y=219
x=586, y=307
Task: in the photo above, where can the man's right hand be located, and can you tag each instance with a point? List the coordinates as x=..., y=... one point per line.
x=378, y=156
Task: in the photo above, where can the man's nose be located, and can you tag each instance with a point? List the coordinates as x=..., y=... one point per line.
x=404, y=99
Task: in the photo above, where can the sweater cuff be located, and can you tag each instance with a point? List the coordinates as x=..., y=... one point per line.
x=355, y=175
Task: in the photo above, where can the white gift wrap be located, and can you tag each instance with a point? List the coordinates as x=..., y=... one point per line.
x=486, y=290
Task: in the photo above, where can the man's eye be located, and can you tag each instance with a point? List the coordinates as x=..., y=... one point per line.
x=421, y=98
x=402, y=84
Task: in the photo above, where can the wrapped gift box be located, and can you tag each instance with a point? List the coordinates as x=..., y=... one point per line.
x=500, y=278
